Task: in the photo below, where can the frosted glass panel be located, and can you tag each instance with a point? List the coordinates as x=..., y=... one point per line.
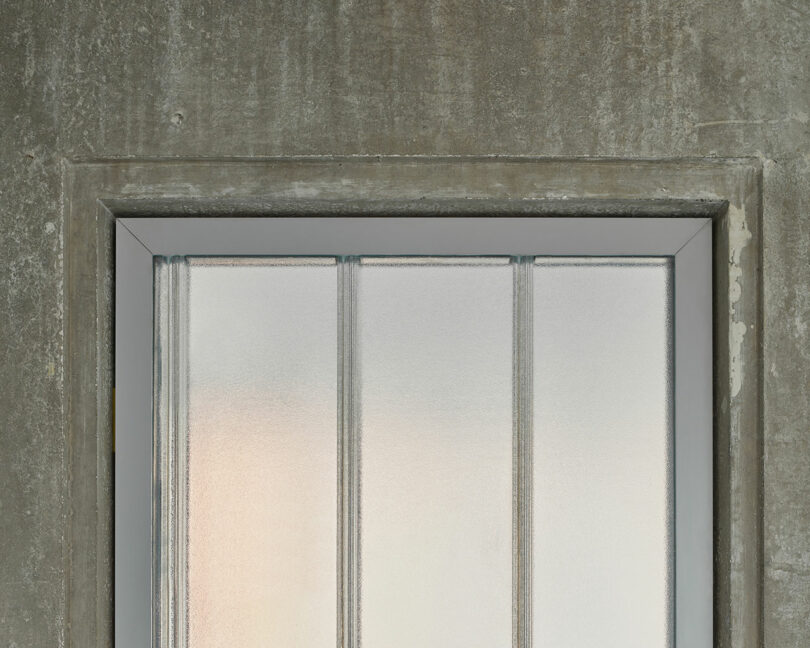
x=602, y=447
x=262, y=453
x=435, y=365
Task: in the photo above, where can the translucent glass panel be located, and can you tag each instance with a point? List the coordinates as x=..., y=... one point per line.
x=602, y=435
x=435, y=386
x=262, y=453
x=434, y=340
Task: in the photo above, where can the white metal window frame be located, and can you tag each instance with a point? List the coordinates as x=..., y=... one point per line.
x=686, y=240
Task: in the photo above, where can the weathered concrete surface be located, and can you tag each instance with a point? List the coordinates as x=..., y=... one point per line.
x=787, y=402
x=560, y=77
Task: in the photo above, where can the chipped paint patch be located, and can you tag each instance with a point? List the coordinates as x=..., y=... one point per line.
x=738, y=238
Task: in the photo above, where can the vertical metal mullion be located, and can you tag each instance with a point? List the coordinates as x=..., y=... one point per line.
x=522, y=451
x=349, y=458
x=180, y=439
x=162, y=454
x=169, y=469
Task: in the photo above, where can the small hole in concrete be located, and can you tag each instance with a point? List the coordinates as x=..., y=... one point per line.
x=177, y=119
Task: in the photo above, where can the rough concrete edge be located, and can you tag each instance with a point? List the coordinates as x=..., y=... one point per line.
x=751, y=182
x=745, y=161
x=103, y=177
x=279, y=207
x=86, y=416
x=105, y=307
x=739, y=610
x=757, y=206
x=66, y=186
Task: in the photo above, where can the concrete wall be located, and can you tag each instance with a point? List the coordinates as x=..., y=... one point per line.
x=560, y=77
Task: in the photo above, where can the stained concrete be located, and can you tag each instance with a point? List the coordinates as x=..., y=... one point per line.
x=561, y=77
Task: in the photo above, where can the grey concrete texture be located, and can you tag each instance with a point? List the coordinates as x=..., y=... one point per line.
x=557, y=78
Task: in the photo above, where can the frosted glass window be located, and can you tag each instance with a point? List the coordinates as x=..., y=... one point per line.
x=442, y=452
x=435, y=365
x=262, y=453
x=602, y=447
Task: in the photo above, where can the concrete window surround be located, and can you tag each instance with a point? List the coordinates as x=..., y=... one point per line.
x=97, y=192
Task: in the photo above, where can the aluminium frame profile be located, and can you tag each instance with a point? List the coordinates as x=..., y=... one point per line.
x=140, y=240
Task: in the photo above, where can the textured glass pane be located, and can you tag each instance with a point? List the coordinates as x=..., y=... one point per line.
x=262, y=453
x=602, y=430
x=435, y=350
